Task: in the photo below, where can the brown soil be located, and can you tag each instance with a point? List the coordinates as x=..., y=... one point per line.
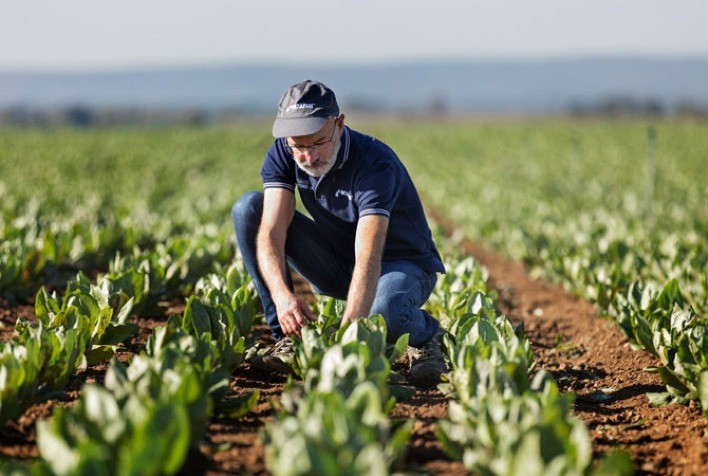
x=586, y=354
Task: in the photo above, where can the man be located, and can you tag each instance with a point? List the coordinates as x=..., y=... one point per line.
x=368, y=241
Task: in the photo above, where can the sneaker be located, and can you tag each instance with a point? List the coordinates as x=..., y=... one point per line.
x=427, y=363
x=278, y=359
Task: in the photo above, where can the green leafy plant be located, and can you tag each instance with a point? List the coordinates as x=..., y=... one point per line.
x=232, y=293
x=331, y=433
x=107, y=314
x=362, y=344
x=216, y=325
x=507, y=433
x=106, y=434
x=19, y=378
x=662, y=323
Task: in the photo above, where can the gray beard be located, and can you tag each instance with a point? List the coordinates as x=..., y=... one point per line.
x=322, y=171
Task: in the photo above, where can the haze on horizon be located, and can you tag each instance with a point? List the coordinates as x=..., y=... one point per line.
x=90, y=35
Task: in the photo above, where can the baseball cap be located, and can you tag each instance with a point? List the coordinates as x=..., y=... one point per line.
x=304, y=109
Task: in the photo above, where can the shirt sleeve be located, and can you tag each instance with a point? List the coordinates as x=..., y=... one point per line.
x=377, y=191
x=278, y=169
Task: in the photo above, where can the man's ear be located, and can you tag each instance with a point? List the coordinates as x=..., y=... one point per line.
x=340, y=121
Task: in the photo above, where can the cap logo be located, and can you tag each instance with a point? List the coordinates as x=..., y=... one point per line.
x=294, y=107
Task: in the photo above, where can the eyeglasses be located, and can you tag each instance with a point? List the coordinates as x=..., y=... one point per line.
x=302, y=148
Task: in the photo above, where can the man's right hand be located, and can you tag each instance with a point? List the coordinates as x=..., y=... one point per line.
x=293, y=314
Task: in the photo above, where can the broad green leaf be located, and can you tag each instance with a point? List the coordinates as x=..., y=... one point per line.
x=99, y=354
x=118, y=333
x=197, y=315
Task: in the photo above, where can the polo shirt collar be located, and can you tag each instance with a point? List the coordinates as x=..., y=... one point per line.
x=343, y=155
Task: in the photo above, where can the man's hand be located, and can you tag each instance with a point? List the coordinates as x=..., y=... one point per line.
x=293, y=314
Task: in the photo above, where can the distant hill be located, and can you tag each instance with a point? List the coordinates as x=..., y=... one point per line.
x=471, y=86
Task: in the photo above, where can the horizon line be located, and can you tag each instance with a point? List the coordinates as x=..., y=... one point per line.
x=195, y=65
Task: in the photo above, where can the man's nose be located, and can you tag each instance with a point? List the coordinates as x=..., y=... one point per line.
x=310, y=155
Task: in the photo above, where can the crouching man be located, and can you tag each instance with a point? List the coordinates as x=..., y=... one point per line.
x=367, y=241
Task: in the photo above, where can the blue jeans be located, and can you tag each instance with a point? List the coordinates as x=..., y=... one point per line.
x=402, y=288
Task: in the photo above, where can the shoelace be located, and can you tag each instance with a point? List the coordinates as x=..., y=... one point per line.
x=429, y=352
x=285, y=346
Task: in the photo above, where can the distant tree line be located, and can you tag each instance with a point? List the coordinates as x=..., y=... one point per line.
x=86, y=116
x=614, y=106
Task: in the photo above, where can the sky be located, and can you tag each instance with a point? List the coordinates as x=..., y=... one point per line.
x=92, y=35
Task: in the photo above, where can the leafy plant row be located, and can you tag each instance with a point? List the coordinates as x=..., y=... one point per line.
x=38, y=246
x=656, y=292
x=150, y=413
x=504, y=418
x=84, y=326
x=335, y=421
x=662, y=323
x=79, y=329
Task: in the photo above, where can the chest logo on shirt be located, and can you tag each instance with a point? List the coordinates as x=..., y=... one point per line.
x=343, y=193
x=304, y=184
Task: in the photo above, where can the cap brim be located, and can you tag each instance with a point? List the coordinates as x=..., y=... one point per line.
x=296, y=127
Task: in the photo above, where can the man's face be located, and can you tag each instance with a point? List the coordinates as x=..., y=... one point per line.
x=316, y=153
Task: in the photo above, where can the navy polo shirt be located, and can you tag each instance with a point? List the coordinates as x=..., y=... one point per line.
x=367, y=179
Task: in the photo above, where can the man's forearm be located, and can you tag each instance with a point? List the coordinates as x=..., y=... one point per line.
x=271, y=262
x=362, y=290
x=369, y=244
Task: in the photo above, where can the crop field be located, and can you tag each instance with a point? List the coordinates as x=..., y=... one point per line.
x=575, y=302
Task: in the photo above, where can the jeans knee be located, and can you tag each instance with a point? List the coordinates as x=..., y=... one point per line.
x=247, y=207
x=397, y=311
